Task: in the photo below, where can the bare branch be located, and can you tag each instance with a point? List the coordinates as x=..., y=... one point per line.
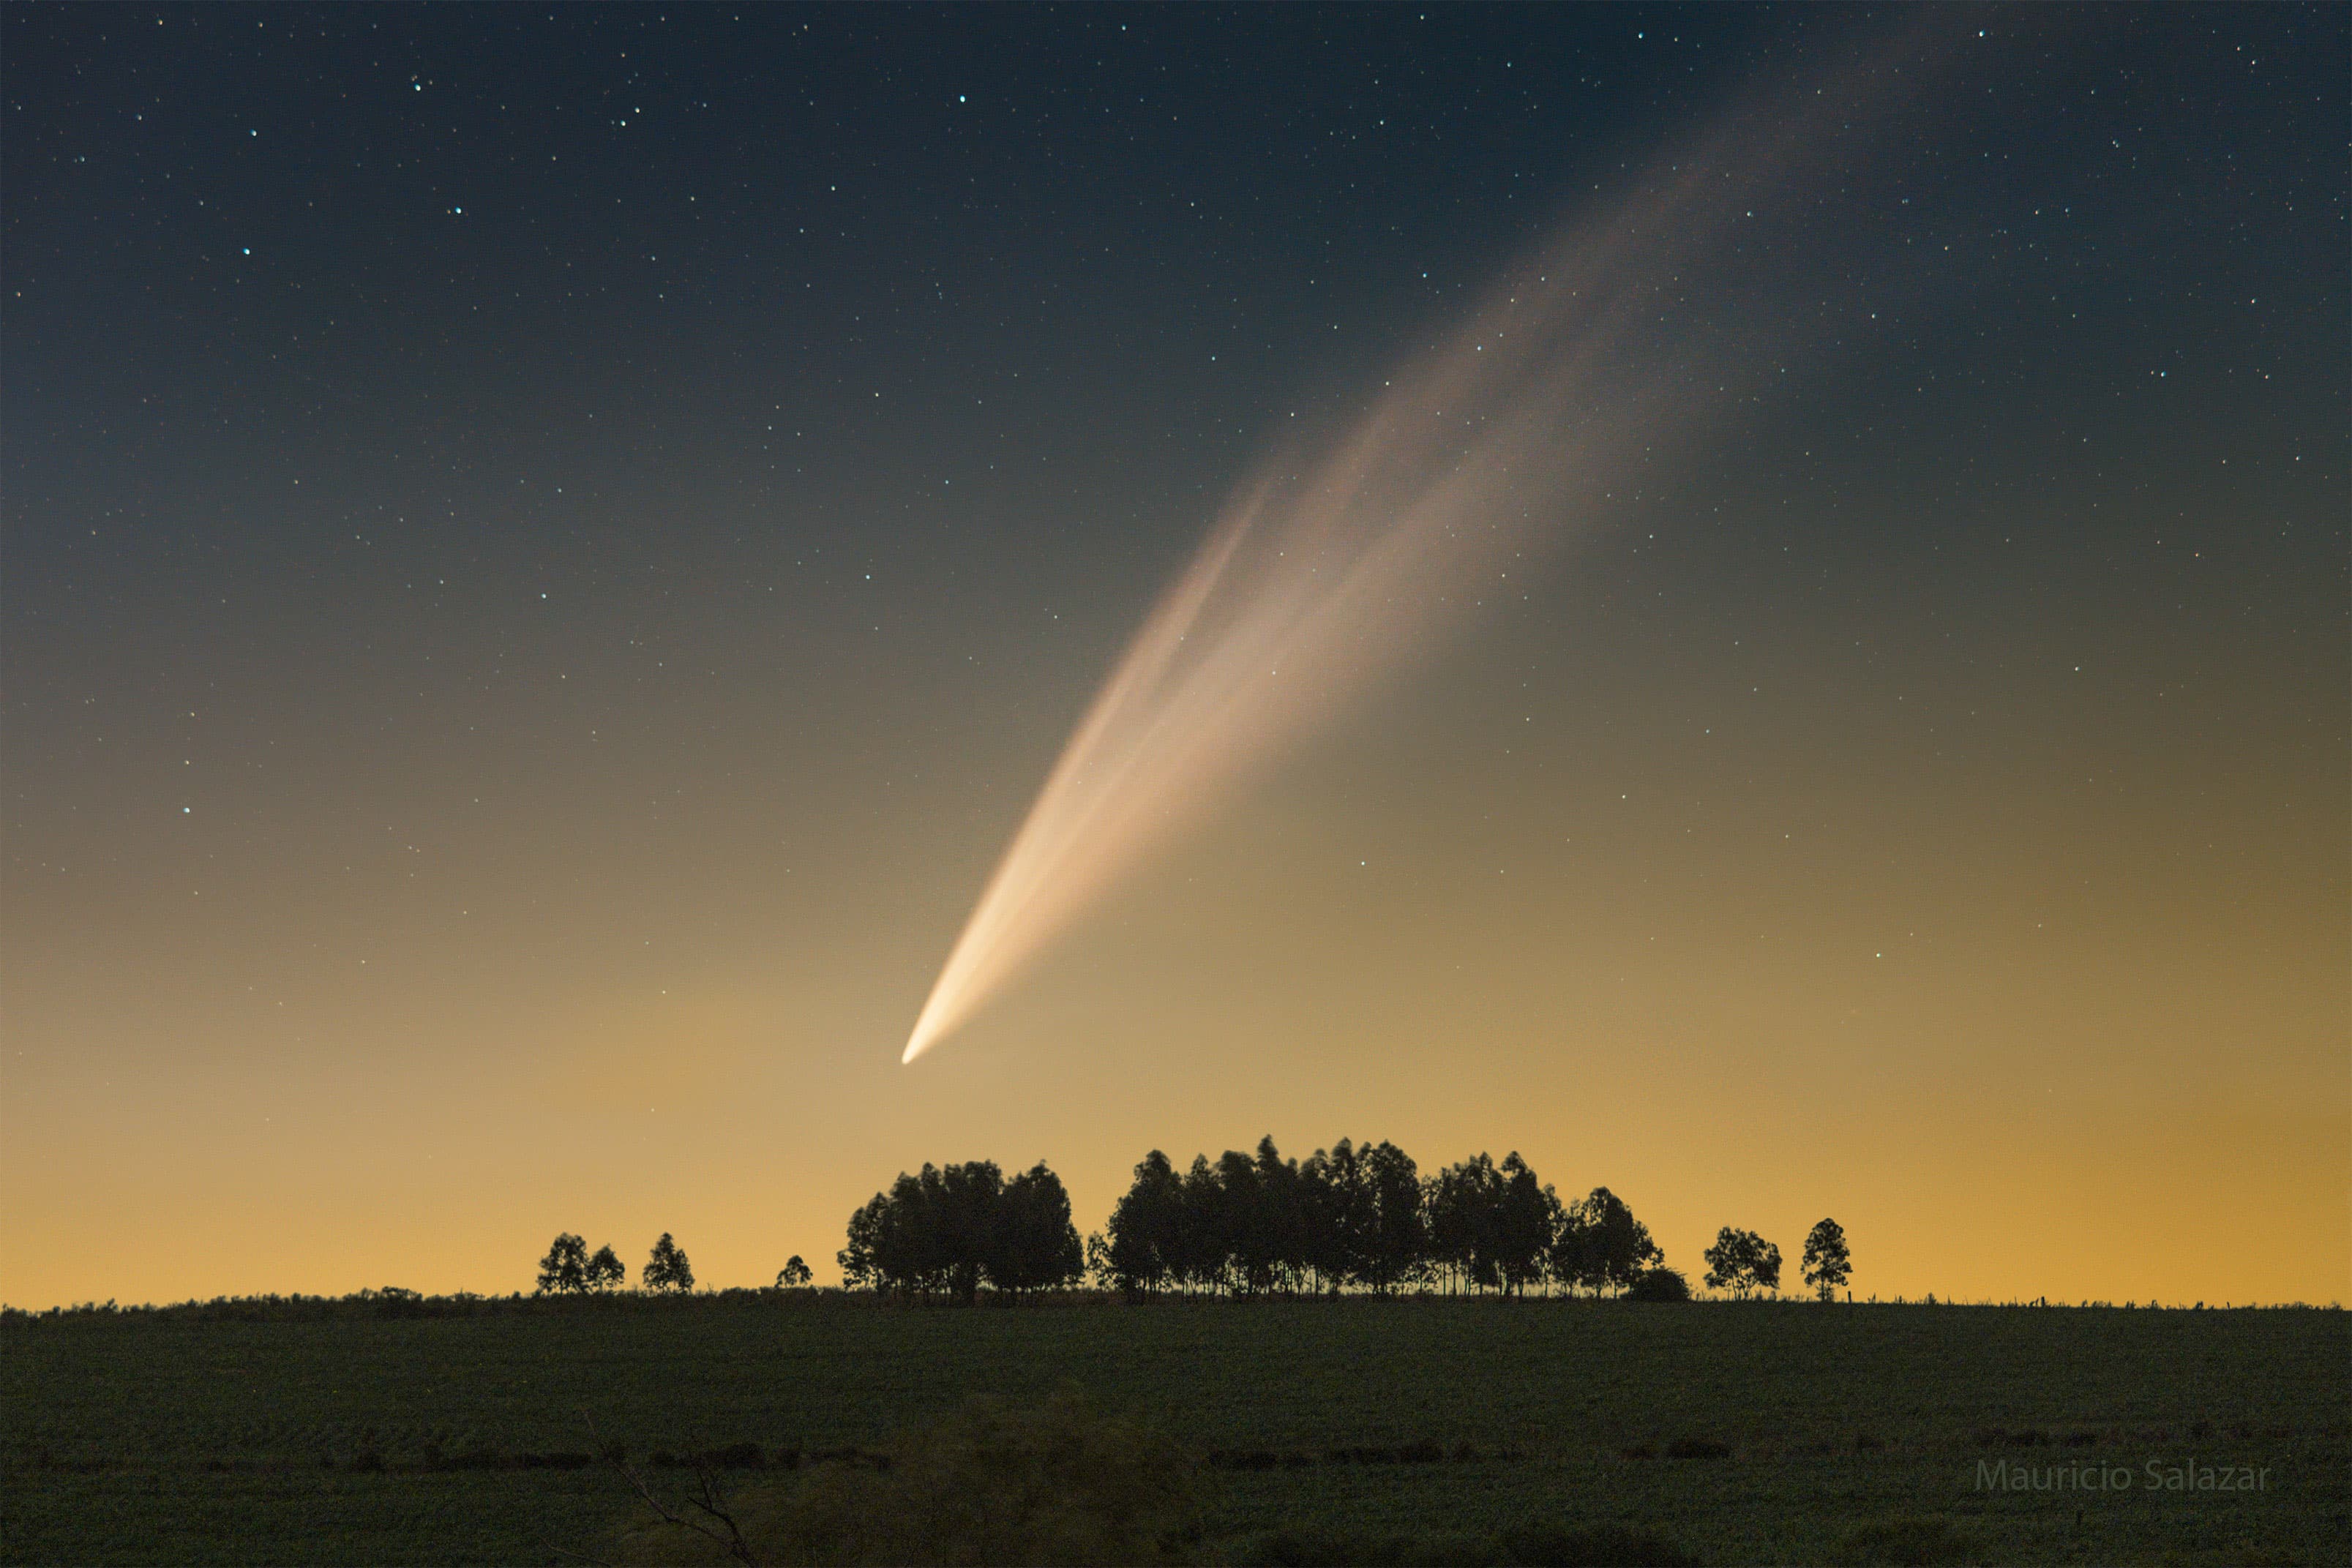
x=712, y=1501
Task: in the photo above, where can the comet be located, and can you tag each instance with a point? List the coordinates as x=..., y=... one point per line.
x=1332, y=567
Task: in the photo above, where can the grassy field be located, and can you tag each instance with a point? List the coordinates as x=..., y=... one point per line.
x=353, y=1436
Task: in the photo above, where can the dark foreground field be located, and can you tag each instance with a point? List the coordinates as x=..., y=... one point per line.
x=1812, y=1434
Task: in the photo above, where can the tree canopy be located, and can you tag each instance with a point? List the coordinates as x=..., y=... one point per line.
x=1361, y=1217
x=946, y=1230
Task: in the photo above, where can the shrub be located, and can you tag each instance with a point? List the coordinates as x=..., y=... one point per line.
x=1060, y=1485
x=1660, y=1284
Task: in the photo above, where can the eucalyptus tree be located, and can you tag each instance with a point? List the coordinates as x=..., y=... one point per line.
x=564, y=1269
x=1145, y=1232
x=667, y=1268
x=1031, y=1244
x=605, y=1271
x=1396, y=1231
x=1526, y=1218
x=1600, y=1247
x=1742, y=1262
x=1827, y=1264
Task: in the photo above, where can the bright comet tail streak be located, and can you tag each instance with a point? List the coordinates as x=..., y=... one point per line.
x=1321, y=576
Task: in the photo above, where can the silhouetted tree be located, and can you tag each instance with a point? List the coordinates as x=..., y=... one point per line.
x=1146, y=1232
x=1600, y=1246
x=1335, y=1203
x=860, y=1256
x=1742, y=1262
x=667, y=1269
x=1201, y=1245
x=967, y=1212
x=1827, y=1264
x=1241, y=1227
x=793, y=1274
x=1527, y=1217
x=898, y=1242
x=1466, y=1204
x=1098, y=1264
x=1281, y=1216
x=564, y=1269
x=1396, y=1232
x=605, y=1271
x=1032, y=1245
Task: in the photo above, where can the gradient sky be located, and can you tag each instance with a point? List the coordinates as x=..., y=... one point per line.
x=547, y=555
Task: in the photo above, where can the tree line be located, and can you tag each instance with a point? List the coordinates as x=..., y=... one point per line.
x=1350, y=1219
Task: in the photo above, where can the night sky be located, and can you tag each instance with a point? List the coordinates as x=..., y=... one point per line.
x=549, y=553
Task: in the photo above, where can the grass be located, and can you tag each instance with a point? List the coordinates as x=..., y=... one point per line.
x=1737, y=1433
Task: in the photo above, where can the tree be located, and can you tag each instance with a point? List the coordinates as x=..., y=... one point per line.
x=860, y=1260
x=667, y=1269
x=1100, y=1272
x=1335, y=1201
x=896, y=1242
x=1465, y=1212
x=1199, y=1257
x=564, y=1269
x=794, y=1275
x=1245, y=1239
x=605, y=1270
x=1742, y=1262
x=1396, y=1234
x=1144, y=1247
x=1527, y=1217
x=1281, y=1218
x=968, y=1213
x=1827, y=1263
x=1600, y=1246
x=1032, y=1245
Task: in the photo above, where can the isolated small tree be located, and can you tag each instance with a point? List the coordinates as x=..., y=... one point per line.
x=1827, y=1263
x=605, y=1270
x=1742, y=1262
x=793, y=1274
x=667, y=1269
x=564, y=1269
